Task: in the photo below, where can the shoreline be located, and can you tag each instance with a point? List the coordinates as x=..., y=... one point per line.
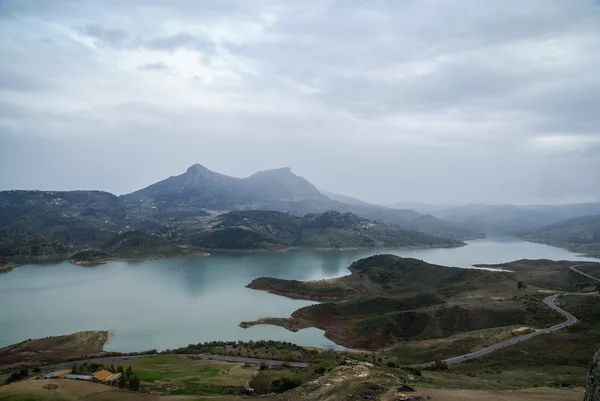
x=7, y=267
x=119, y=259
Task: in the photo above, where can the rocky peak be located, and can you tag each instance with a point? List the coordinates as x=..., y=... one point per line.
x=592, y=392
x=197, y=168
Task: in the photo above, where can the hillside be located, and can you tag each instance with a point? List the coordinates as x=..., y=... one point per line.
x=259, y=229
x=131, y=245
x=581, y=235
x=42, y=224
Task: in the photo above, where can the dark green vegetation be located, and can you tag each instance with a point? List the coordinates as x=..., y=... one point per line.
x=388, y=299
x=581, y=235
x=40, y=225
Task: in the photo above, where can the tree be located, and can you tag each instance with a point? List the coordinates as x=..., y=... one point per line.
x=23, y=373
x=112, y=368
x=74, y=369
x=122, y=382
x=134, y=383
x=129, y=372
x=520, y=285
x=120, y=369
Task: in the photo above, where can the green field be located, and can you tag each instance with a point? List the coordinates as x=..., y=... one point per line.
x=175, y=374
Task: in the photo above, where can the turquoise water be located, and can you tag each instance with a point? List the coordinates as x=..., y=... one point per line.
x=167, y=303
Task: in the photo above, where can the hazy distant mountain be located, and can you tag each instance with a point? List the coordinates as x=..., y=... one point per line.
x=505, y=219
x=581, y=234
x=346, y=199
x=260, y=229
x=425, y=208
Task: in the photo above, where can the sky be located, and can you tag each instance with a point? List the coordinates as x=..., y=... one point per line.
x=436, y=101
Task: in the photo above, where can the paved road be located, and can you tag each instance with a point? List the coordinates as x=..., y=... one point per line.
x=238, y=359
x=271, y=362
x=585, y=274
x=571, y=320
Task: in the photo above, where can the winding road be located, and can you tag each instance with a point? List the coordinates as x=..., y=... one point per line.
x=571, y=320
x=585, y=274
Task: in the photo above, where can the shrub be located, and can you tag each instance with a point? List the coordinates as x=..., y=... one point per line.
x=14, y=377
x=284, y=384
x=261, y=383
x=414, y=371
x=320, y=370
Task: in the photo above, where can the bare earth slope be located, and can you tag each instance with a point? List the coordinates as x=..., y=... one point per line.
x=46, y=350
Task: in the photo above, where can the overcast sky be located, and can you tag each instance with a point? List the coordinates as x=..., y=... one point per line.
x=415, y=100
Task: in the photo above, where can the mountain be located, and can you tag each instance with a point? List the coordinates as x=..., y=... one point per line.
x=201, y=187
x=581, y=234
x=186, y=195
x=260, y=229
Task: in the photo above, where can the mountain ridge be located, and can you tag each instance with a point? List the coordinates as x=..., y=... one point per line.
x=276, y=189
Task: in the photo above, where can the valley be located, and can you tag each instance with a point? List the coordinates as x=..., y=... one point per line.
x=343, y=297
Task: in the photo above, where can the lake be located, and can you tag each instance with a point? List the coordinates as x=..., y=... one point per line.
x=168, y=303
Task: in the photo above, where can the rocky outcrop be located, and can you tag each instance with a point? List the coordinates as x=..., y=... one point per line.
x=593, y=380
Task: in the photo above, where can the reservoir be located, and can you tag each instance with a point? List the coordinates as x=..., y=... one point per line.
x=168, y=303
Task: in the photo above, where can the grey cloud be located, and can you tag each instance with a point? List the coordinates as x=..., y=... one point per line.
x=158, y=66
x=13, y=81
x=466, y=84
x=109, y=35
x=173, y=42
